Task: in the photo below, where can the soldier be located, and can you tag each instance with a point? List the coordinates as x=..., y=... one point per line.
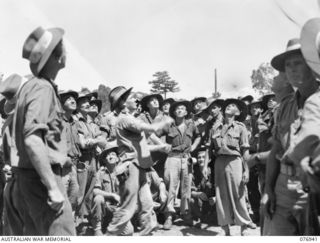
x=184, y=139
x=68, y=101
x=86, y=167
x=231, y=147
x=106, y=189
x=12, y=217
x=197, y=104
x=135, y=159
x=40, y=140
x=284, y=201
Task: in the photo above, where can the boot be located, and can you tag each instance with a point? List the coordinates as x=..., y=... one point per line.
x=168, y=223
x=244, y=230
x=187, y=219
x=226, y=230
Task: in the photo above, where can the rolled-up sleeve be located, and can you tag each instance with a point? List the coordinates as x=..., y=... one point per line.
x=131, y=123
x=38, y=107
x=307, y=137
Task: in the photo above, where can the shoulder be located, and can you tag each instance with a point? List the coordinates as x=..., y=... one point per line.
x=314, y=98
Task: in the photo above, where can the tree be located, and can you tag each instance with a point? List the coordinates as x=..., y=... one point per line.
x=85, y=90
x=163, y=84
x=262, y=78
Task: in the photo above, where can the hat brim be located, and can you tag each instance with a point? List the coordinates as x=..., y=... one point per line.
x=254, y=103
x=241, y=105
x=108, y=150
x=168, y=101
x=308, y=38
x=219, y=102
x=57, y=34
x=74, y=94
x=173, y=107
x=144, y=101
x=123, y=96
x=278, y=61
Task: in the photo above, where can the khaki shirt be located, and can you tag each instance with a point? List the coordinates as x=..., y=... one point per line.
x=229, y=140
x=38, y=108
x=132, y=140
x=107, y=181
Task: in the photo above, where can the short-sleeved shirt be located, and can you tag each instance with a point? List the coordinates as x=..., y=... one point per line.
x=181, y=143
x=229, y=139
x=132, y=140
x=38, y=109
x=307, y=135
x=107, y=181
x=146, y=117
x=287, y=122
x=72, y=138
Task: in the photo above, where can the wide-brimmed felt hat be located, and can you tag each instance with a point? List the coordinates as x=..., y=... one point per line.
x=265, y=99
x=9, y=88
x=117, y=94
x=174, y=105
x=293, y=47
x=254, y=102
x=93, y=95
x=67, y=93
x=169, y=100
x=218, y=102
x=111, y=146
x=241, y=105
x=98, y=103
x=310, y=43
x=83, y=96
x=144, y=101
x=39, y=45
x=201, y=99
x=247, y=98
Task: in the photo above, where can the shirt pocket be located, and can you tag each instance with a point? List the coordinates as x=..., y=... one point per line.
x=217, y=140
x=106, y=184
x=233, y=140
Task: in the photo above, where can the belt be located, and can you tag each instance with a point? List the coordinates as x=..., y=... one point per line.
x=289, y=170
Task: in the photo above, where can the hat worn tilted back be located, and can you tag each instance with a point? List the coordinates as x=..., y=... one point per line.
x=293, y=47
x=144, y=101
x=310, y=43
x=185, y=103
x=242, y=108
x=117, y=94
x=39, y=45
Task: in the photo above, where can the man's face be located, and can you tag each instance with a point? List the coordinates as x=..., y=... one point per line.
x=94, y=109
x=153, y=103
x=198, y=105
x=296, y=70
x=131, y=102
x=112, y=158
x=84, y=106
x=70, y=104
x=180, y=111
x=201, y=158
x=166, y=108
x=215, y=110
x=256, y=109
x=272, y=103
x=232, y=109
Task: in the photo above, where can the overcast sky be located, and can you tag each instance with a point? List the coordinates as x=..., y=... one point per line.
x=124, y=42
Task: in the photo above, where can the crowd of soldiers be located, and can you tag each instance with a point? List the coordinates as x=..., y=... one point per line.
x=149, y=160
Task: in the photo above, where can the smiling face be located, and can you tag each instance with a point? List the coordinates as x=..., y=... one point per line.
x=70, y=104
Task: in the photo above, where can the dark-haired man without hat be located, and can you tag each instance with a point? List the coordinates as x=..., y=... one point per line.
x=40, y=140
x=135, y=159
x=285, y=201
